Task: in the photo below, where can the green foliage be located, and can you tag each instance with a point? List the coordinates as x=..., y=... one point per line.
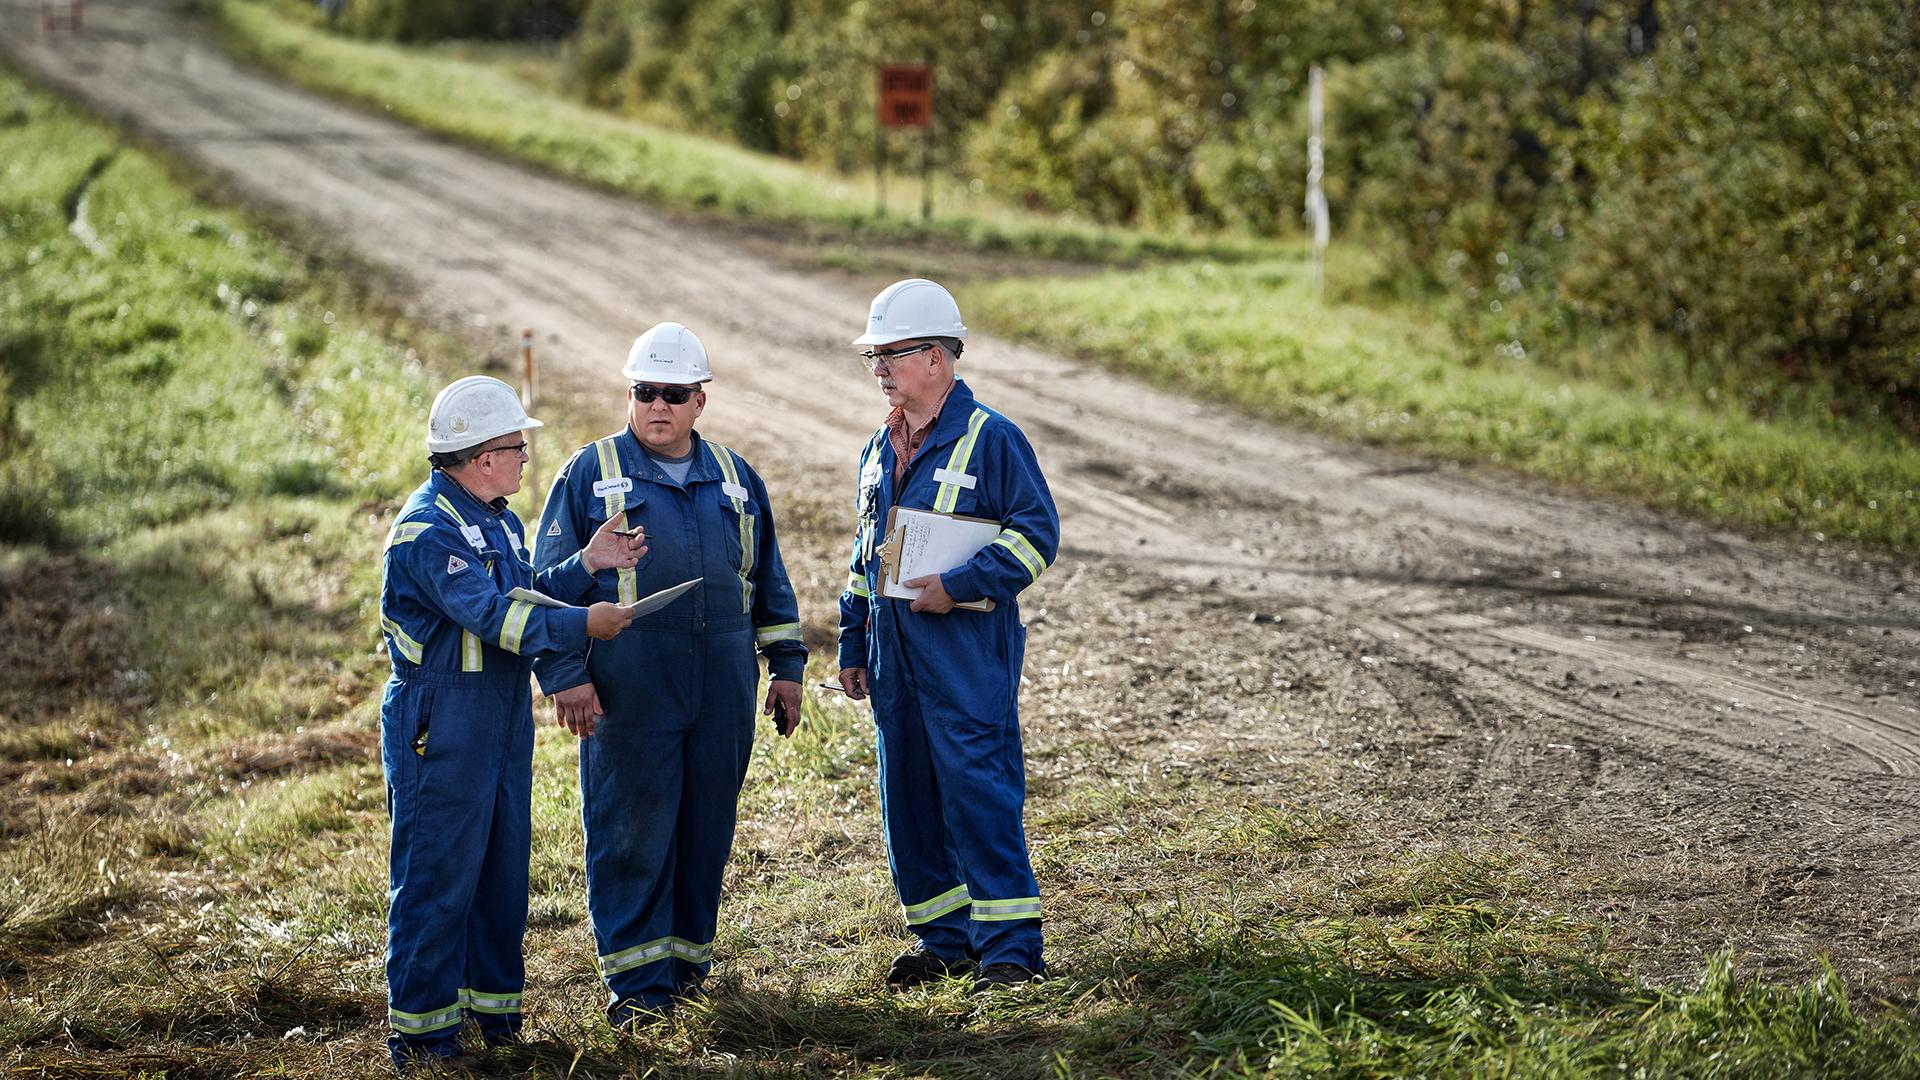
x=1756, y=192
x=437, y=20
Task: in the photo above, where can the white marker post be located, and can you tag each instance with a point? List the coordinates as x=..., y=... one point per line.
x=526, y=392
x=1316, y=169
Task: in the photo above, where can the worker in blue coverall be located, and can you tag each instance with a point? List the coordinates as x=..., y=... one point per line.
x=665, y=713
x=944, y=680
x=456, y=726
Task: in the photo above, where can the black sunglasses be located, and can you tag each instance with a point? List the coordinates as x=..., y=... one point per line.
x=644, y=393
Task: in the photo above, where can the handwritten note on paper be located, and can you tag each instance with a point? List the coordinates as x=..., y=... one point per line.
x=932, y=543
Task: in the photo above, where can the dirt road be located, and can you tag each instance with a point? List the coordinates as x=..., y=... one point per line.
x=1722, y=733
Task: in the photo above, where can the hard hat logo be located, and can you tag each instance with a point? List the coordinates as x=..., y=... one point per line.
x=914, y=308
x=667, y=353
x=471, y=411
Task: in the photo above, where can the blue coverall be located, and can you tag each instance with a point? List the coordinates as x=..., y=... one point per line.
x=456, y=743
x=945, y=687
x=661, y=775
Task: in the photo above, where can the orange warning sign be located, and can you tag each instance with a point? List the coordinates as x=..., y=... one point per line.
x=906, y=95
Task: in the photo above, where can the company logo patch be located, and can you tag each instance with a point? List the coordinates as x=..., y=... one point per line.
x=455, y=564
x=604, y=488
x=554, y=529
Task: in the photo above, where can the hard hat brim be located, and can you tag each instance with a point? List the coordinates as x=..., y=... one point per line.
x=440, y=447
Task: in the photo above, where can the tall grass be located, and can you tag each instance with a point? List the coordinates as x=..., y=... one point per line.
x=1254, y=337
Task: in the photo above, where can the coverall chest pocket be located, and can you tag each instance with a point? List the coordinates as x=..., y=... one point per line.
x=740, y=521
x=631, y=506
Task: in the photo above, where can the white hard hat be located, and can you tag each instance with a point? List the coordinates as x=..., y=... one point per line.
x=669, y=354
x=473, y=410
x=914, y=308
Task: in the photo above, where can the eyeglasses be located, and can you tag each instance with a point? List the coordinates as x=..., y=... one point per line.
x=517, y=448
x=877, y=360
x=644, y=393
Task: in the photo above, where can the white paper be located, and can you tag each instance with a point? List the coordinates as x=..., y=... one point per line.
x=647, y=605
x=539, y=598
x=930, y=543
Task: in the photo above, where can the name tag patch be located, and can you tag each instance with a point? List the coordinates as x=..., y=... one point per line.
x=615, y=486
x=957, y=479
x=474, y=537
x=734, y=491
x=870, y=474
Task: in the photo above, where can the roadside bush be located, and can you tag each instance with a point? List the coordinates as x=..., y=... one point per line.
x=1756, y=192
x=437, y=20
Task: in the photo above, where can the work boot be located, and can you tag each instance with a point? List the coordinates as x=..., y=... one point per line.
x=635, y=1014
x=917, y=966
x=1000, y=976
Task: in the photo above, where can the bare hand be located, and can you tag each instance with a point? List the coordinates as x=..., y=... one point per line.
x=854, y=681
x=787, y=693
x=609, y=549
x=605, y=620
x=577, y=708
x=933, y=598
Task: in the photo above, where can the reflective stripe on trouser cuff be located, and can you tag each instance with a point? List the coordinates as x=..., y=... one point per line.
x=657, y=949
x=493, y=1004
x=407, y=1023
x=1025, y=907
x=766, y=635
x=929, y=910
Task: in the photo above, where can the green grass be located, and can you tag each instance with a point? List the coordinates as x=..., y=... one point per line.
x=193, y=849
x=496, y=100
x=1253, y=337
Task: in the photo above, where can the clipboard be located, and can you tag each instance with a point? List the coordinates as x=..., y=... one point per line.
x=922, y=542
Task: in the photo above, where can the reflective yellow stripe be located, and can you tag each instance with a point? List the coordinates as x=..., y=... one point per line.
x=929, y=910
x=783, y=632
x=857, y=585
x=1023, y=550
x=420, y=1023
x=408, y=647
x=1025, y=907
x=406, y=532
x=494, y=1004
x=693, y=952
x=628, y=587
x=724, y=458
x=515, y=625
x=469, y=651
x=442, y=502
x=949, y=494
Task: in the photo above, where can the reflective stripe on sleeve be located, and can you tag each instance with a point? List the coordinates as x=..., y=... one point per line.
x=857, y=585
x=515, y=625
x=927, y=911
x=730, y=469
x=406, y=532
x=492, y=1004
x=766, y=635
x=408, y=647
x=407, y=1023
x=1023, y=550
x=469, y=651
x=949, y=494
x=1025, y=907
x=627, y=588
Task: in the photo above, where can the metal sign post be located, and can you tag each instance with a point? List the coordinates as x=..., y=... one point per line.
x=906, y=101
